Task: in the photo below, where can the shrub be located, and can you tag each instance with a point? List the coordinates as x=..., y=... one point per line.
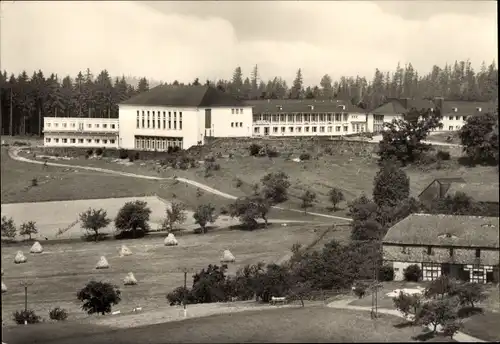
x=254, y=149
x=132, y=220
x=239, y=182
x=177, y=296
x=412, y=273
x=272, y=152
x=451, y=328
x=224, y=210
x=98, y=151
x=407, y=304
x=123, y=154
x=209, y=158
x=34, y=182
x=305, y=156
x=443, y=155
x=8, y=228
x=360, y=290
x=26, y=315
x=386, y=273
x=90, y=151
x=58, y=314
x=98, y=297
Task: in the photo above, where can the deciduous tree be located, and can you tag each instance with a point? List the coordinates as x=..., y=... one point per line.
x=308, y=198
x=205, y=214
x=99, y=297
x=133, y=218
x=479, y=137
x=94, y=220
x=335, y=196
x=28, y=228
x=275, y=187
x=174, y=214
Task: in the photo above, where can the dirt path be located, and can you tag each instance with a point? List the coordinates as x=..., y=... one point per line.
x=344, y=304
x=14, y=154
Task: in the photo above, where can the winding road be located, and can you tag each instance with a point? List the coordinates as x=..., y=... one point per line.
x=14, y=154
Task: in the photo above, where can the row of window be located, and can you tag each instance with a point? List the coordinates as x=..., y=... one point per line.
x=144, y=121
x=80, y=125
x=356, y=127
x=451, y=118
x=236, y=124
x=303, y=117
x=157, y=143
x=237, y=111
x=450, y=251
x=79, y=140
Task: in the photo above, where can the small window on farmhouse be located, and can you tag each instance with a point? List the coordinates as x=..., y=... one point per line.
x=112, y=126
x=241, y=124
x=429, y=250
x=89, y=140
x=451, y=252
x=232, y=124
x=47, y=139
x=105, y=141
x=112, y=141
x=57, y=140
x=478, y=253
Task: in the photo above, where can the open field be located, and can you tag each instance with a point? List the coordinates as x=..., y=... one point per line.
x=62, y=184
x=480, y=326
x=353, y=176
x=297, y=325
x=64, y=268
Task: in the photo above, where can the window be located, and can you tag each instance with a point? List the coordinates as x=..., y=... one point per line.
x=346, y=128
x=105, y=142
x=72, y=140
x=232, y=124
x=329, y=129
x=136, y=125
x=104, y=126
x=457, y=127
x=322, y=117
x=283, y=129
x=306, y=129
x=112, y=141
x=89, y=140
x=237, y=111
x=314, y=129
x=97, y=125
x=290, y=129
x=180, y=123
x=450, y=127
x=314, y=118
x=153, y=121
x=346, y=117
x=451, y=118
x=80, y=140
x=337, y=117
x=275, y=129
x=232, y=111
x=57, y=140
x=403, y=249
x=73, y=125
x=241, y=124
x=89, y=125
x=256, y=130
x=64, y=125
x=290, y=118
x=97, y=140
x=47, y=139
x=321, y=129
x=241, y=111
x=175, y=120
x=478, y=253
x=48, y=124
x=337, y=128
x=329, y=117
x=56, y=125
x=451, y=252
x=64, y=140
x=429, y=250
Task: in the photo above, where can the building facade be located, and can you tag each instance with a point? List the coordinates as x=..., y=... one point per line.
x=80, y=132
x=463, y=247
x=306, y=118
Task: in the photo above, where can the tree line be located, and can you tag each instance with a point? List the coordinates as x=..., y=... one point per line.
x=25, y=100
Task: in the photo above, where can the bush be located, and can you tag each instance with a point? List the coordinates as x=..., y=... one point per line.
x=132, y=220
x=305, y=156
x=386, y=273
x=239, y=182
x=58, y=314
x=98, y=151
x=26, y=315
x=176, y=297
x=272, y=152
x=451, y=328
x=34, y=182
x=443, y=155
x=254, y=149
x=224, y=211
x=98, y=297
x=360, y=290
x=123, y=154
x=412, y=273
x=90, y=151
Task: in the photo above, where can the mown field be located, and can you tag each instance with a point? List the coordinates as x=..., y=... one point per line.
x=64, y=268
x=354, y=175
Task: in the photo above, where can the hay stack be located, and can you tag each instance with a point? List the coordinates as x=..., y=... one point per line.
x=170, y=240
x=227, y=257
x=36, y=248
x=102, y=263
x=20, y=258
x=130, y=279
x=125, y=251
x=4, y=288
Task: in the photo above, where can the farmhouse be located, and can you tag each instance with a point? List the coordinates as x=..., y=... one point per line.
x=80, y=132
x=181, y=116
x=277, y=117
x=463, y=247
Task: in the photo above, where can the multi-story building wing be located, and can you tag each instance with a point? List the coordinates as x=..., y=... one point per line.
x=80, y=132
x=455, y=113
x=463, y=247
x=306, y=118
x=182, y=116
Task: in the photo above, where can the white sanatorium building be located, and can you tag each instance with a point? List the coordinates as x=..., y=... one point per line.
x=168, y=116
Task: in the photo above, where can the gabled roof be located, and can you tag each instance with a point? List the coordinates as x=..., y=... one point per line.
x=398, y=106
x=302, y=105
x=441, y=181
x=466, y=108
x=479, y=192
x=188, y=96
x=431, y=230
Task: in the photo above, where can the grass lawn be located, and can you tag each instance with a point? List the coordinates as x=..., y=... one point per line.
x=66, y=267
x=441, y=137
x=316, y=324
x=353, y=176
x=61, y=184
x=484, y=326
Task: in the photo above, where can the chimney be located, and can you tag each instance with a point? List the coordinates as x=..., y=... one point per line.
x=439, y=102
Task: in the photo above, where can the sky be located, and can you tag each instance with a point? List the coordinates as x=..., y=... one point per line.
x=184, y=40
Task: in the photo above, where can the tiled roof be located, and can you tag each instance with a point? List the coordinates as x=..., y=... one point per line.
x=429, y=230
x=302, y=105
x=188, y=96
x=466, y=108
x=480, y=192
